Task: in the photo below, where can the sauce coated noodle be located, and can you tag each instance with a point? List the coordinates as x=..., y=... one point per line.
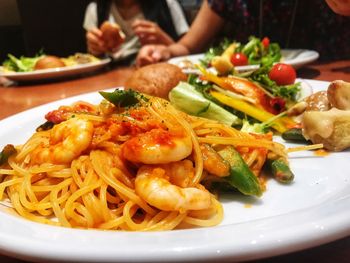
x=139, y=168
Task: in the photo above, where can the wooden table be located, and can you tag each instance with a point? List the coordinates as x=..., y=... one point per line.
x=15, y=99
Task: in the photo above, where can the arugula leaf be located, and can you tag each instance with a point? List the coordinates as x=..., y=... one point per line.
x=252, y=49
x=288, y=92
x=255, y=51
x=272, y=55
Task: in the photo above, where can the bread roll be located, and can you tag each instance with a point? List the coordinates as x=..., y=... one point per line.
x=49, y=62
x=156, y=80
x=112, y=35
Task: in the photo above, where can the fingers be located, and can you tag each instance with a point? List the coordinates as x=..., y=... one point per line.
x=140, y=30
x=150, y=33
x=144, y=57
x=95, y=44
x=147, y=32
x=97, y=32
x=150, y=54
x=147, y=40
x=147, y=35
x=142, y=23
x=144, y=27
x=161, y=54
x=94, y=36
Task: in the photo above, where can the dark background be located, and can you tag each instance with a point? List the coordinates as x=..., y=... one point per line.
x=56, y=26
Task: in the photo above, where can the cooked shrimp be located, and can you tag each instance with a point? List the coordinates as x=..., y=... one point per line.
x=152, y=184
x=157, y=146
x=180, y=173
x=213, y=162
x=67, y=141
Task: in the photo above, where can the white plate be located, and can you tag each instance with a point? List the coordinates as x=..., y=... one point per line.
x=295, y=57
x=311, y=211
x=55, y=72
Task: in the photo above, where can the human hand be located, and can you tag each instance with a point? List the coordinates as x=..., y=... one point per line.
x=150, y=33
x=95, y=43
x=341, y=7
x=150, y=54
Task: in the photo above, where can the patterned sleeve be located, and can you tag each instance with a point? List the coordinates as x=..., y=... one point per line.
x=228, y=9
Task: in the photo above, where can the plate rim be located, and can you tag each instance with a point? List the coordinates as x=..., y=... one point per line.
x=317, y=232
x=55, y=71
x=249, y=249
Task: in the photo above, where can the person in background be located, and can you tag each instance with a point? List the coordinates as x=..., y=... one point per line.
x=143, y=22
x=291, y=23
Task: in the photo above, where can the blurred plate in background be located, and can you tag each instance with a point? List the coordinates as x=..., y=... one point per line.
x=55, y=72
x=295, y=57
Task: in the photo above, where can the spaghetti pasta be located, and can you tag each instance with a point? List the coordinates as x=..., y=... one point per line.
x=136, y=168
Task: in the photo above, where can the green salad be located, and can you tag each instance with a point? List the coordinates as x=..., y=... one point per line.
x=229, y=54
x=21, y=64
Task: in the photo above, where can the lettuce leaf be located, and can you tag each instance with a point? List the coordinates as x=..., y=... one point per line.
x=185, y=97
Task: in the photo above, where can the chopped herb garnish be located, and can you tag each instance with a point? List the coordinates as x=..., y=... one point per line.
x=8, y=150
x=123, y=98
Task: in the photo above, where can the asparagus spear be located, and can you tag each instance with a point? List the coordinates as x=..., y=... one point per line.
x=241, y=177
x=294, y=134
x=280, y=170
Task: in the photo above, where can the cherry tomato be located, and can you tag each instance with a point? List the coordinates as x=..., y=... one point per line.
x=282, y=74
x=266, y=42
x=239, y=59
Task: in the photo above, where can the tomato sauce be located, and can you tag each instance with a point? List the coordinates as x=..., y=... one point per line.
x=321, y=152
x=162, y=137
